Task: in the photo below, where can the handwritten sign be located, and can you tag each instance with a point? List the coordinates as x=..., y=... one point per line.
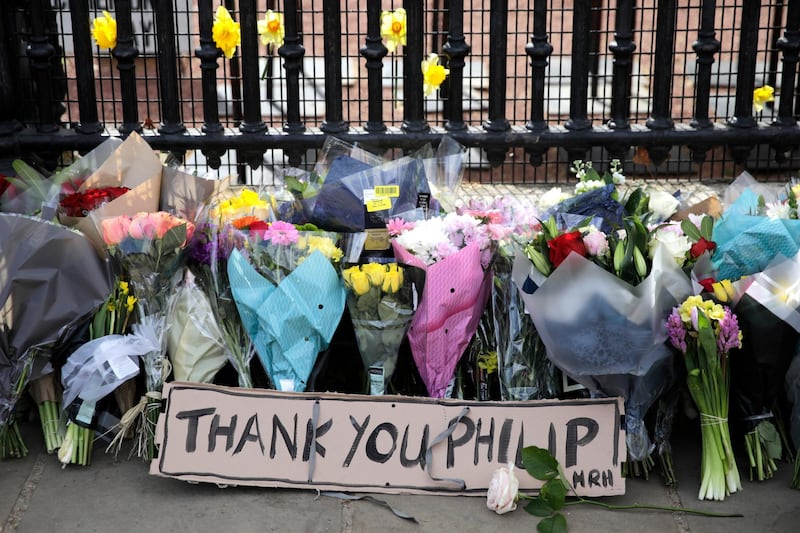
x=388, y=444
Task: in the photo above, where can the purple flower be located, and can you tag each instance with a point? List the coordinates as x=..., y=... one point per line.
x=676, y=331
x=728, y=336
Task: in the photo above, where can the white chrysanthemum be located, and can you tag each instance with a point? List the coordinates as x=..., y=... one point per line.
x=552, y=197
x=778, y=210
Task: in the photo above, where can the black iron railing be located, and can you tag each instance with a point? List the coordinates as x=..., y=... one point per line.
x=55, y=85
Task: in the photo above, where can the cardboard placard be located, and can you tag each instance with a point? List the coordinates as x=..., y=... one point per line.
x=387, y=444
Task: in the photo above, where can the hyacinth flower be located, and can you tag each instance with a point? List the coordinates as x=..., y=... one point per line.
x=705, y=333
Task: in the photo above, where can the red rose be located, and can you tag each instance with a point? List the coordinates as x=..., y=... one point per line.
x=707, y=283
x=258, y=227
x=79, y=204
x=701, y=246
x=561, y=246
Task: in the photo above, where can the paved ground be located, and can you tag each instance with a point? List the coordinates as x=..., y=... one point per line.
x=37, y=495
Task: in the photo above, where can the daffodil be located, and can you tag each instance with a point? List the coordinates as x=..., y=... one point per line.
x=123, y=287
x=129, y=303
x=761, y=96
x=104, y=31
x=270, y=28
x=393, y=28
x=393, y=279
x=433, y=74
x=225, y=32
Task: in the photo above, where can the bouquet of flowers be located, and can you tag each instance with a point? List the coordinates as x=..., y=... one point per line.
x=51, y=280
x=705, y=332
x=524, y=371
x=146, y=250
x=226, y=229
x=80, y=203
x=381, y=299
x=455, y=251
x=289, y=296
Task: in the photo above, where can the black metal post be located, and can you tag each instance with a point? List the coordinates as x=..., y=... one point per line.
x=373, y=52
x=746, y=71
x=498, y=59
x=292, y=53
x=208, y=53
x=539, y=51
x=125, y=53
x=84, y=73
x=40, y=52
x=167, y=68
x=661, y=114
x=705, y=46
x=332, y=45
x=579, y=96
x=622, y=47
x=413, y=118
x=456, y=49
x=251, y=122
x=9, y=106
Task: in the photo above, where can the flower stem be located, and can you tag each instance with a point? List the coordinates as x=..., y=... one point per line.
x=612, y=507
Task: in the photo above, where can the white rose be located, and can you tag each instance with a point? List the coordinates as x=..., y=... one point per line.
x=677, y=244
x=503, y=490
x=662, y=204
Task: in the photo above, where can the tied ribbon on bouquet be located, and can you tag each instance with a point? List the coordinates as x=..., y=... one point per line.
x=146, y=250
x=290, y=298
x=454, y=252
x=51, y=280
x=381, y=299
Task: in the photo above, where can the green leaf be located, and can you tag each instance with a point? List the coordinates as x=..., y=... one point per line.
x=539, y=507
x=539, y=463
x=554, y=493
x=690, y=230
x=770, y=438
x=296, y=186
x=174, y=237
x=554, y=524
x=707, y=227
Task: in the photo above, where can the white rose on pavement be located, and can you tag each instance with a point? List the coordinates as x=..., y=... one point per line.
x=503, y=490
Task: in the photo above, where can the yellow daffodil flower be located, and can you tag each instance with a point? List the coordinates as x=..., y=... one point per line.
x=393, y=28
x=761, y=96
x=130, y=302
x=225, y=32
x=357, y=280
x=123, y=287
x=375, y=272
x=433, y=74
x=723, y=290
x=393, y=279
x=270, y=28
x=104, y=31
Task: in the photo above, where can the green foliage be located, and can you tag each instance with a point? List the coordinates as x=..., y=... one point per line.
x=541, y=464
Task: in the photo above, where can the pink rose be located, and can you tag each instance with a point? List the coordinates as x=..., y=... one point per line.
x=163, y=222
x=503, y=490
x=115, y=229
x=142, y=227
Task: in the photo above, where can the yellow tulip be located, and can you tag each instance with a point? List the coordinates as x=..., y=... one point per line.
x=393, y=28
x=225, y=32
x=393, y=279
x=761, y=96
x=357, y=281
x=270, y=28
x=375, y=272
x=433, y=74
x=104, y=31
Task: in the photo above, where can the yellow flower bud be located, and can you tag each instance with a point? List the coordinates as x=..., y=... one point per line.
x=375, y=272
x=123, y=287
x=359, y=282
x=393, y=279
x=723, y=290
x=130, y=303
